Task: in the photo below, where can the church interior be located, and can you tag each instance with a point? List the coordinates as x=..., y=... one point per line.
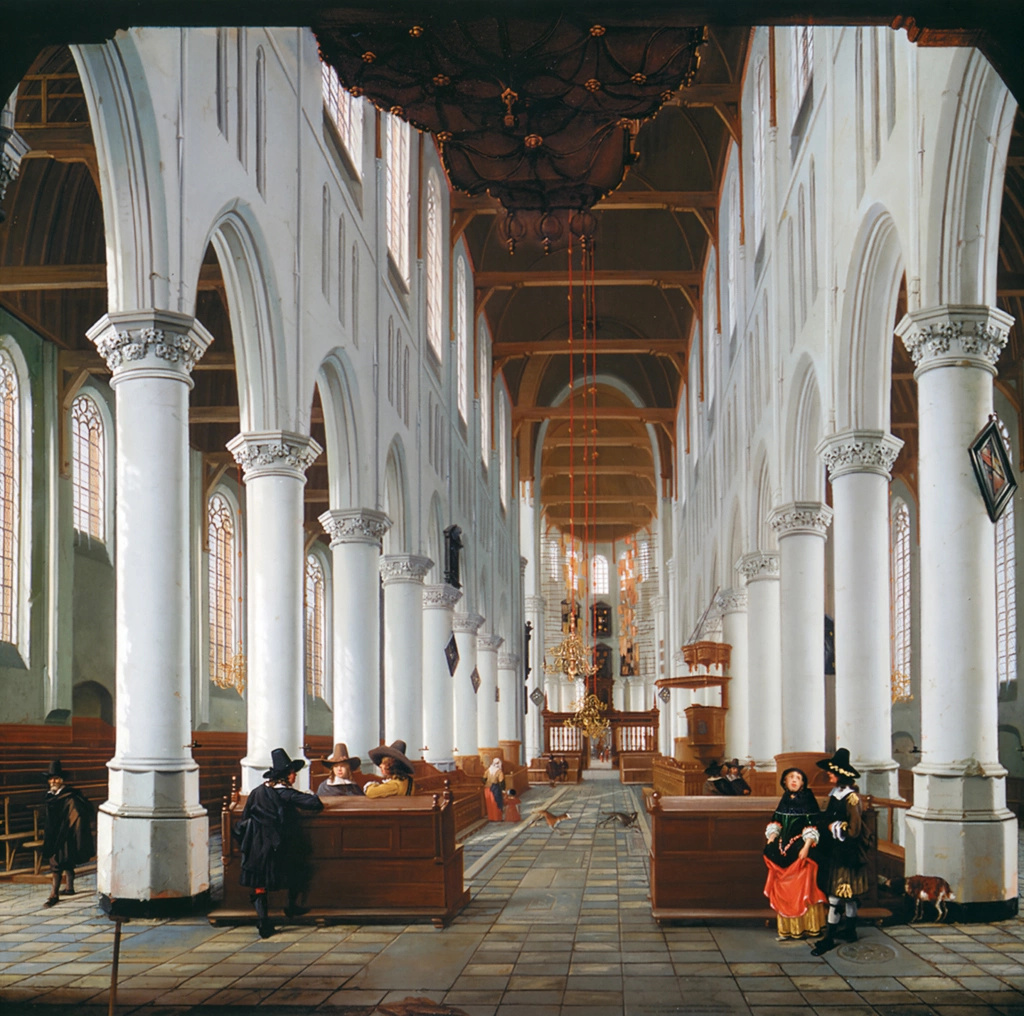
x=595, y=414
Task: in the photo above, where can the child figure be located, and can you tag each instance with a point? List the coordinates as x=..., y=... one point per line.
x=512, y=806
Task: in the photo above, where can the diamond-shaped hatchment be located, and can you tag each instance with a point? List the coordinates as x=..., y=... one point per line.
x=451, y=654
x=474, y=680
x=537, y=697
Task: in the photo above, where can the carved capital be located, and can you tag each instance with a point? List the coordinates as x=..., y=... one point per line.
x=404, y=568
x=355, y=525
x=508, y=661
x=759, y=565
x=467, y=623
x=731, y=601
x=441, y=597
x=489, y=643
x=800, y=518
x=534, y=604
x=859, y=451
x=152, y=343
x=523, y=562
x=955, y=335
x=274, y=453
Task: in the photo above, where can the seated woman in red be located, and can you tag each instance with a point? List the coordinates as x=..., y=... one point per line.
x=792, y=885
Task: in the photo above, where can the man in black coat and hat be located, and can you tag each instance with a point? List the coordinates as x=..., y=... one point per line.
x=274, y=851
x=67, y=830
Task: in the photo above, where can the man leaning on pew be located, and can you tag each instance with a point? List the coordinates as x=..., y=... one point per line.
x=67, y=835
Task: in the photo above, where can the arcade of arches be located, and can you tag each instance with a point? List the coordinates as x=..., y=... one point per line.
x=257, y=356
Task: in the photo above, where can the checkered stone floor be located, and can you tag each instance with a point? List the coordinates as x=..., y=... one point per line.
x=559, y=925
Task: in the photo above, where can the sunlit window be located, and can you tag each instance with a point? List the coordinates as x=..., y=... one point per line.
x=645, y=560
x=461, y=338
x=398, y=193
x=803, y=65
x=759, y=113
x=1006, y=589
x=435, y=263
x=10, y=516
x=87, y=467
x=599, y=575
x=316, y=626
x=345, y=111
x=899, y=585
x=222, y=579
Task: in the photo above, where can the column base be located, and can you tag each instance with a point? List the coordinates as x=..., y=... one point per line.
x=961, y=830
x=879, y=779
x=445, y=765
x=152, y=861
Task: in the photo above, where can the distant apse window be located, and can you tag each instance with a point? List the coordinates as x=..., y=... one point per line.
x=316, y=618
x=1006, y=587
x=222, y=580
x=87, y=467
x=899, y=585
x=10, y=459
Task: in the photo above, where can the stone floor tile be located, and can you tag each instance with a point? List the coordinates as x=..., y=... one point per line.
x=786, y=998
x=462, y=999
x=526, y=1010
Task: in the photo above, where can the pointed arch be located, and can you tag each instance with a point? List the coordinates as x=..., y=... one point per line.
x=804, y=473
x=339, y=395
x=396, y=540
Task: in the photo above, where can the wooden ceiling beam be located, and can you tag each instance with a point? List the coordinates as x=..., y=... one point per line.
x=560, y=347
x=548, y=471
x=637, y=414
x=549, y=501
x=1010, y=284
x=637, y=441
x=230, y=414
x=38, y=278
x=663, y=279
x=609, y=519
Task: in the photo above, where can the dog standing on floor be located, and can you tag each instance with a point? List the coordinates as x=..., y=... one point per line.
x=626, y=820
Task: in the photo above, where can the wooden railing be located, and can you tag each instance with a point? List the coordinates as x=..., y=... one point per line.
x=890, y=853
x=630, y=731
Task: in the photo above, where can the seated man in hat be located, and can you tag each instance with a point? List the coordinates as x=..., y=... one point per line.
x=340, y=782
x=716, y=782
x=67, y=835
x=734, y=774
x=274, y=851
x=397, y=770
x=844, y=875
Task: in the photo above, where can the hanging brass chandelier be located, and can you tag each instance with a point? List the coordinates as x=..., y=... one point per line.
x=589, y=718
x=572, y=657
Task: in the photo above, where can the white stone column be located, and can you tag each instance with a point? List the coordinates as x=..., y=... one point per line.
x=535, y=703
x=487, y=697
x=959, y=827
x=800, y=528
x=438, y=716
x=274, y=465
x=402, y=576
x=764, y=656
x=859, y=462
x=355, y=544
x=733, y=605
x=664, y=702
x=152, y=833
x=508, y=680
x=620, y=689
x=464, y=698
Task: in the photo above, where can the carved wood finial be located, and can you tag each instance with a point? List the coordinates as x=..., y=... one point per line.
x=437, y=802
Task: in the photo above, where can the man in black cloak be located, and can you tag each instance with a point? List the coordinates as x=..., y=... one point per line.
x=274, y=851
x=67, y=830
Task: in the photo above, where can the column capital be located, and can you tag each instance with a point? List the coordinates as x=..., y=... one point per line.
x=534, y=604
x=149, y=343
x=859, y=451
x=523, y=562
x=274, y=453
x=759, y=565
x=731, y=601
x=404, y=568
x=489, y=643
x=955, y=335
x=355, y=525
x=440, y=597
x=467, y=623
x=508, y=661
x=800, y=518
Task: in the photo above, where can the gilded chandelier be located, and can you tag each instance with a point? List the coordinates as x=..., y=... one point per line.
x=571, y=656
x=589, y=719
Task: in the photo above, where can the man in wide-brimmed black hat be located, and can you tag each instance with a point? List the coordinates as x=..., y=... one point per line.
x=716, y=782
x=341, y=766
x=843, y=876
x=274, y=850
x=396, y=768
x=67, y=835
x=734, y=774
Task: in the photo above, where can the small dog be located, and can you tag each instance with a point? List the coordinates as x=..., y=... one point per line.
x=627, y=821
x=924, y=889
x=552, y=820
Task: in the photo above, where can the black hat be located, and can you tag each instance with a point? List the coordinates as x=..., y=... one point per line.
x=714, y=769
x=281, y=765
x=395, y=750
x=840, y=764
x=56, y=771
x=733, y=763
x=340, y=755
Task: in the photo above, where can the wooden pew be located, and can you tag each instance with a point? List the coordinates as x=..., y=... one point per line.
x=372, y=860
x=538, y=771
x=672, y=778
x=637, y=766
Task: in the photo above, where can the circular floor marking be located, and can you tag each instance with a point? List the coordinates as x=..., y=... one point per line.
x=866, y=952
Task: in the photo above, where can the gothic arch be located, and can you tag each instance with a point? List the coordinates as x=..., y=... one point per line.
x=863, y=381
x=396, y=540
x=763, y=500
x=735, y=545
x=338, y=388
x=804, y=475
x=435, y=539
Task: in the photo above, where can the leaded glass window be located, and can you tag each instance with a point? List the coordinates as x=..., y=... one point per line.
x=10, y=515
x=222, y=579
x=88, y=467
x=1006, y=589
x=316, y=625
x=899, y=585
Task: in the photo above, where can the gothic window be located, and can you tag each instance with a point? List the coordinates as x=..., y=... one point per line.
x=222, y=579
x=1006, y=589
x=760, y=112
x=461, y=339
x=899, y=584
x=485, y=404
x=503, y=442
x=316, y=627
x=645, y=560
x=345, y=113
x=803, y=65
x=88, y=454
x=599, y=575
x=10, y=494
x=398, y=194
x=435, y=262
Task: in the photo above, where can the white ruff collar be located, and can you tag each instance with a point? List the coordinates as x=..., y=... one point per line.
x=840, y=792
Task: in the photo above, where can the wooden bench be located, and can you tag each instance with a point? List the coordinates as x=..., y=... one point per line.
x=389, y=859
x=538, y=772
x=637, y=766
x=671, y=778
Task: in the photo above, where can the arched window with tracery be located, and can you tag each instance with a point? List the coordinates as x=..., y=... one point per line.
x=345, y=112
x=899, y=586
x=759, y=113
x=434, y=268
x=316, y=628
x=645, y=560
x=599, y=575
x=88, y=467
x=10, y=495
x=461, y=339
x=398, y=193
x=222, y=580
x=1006, y=588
